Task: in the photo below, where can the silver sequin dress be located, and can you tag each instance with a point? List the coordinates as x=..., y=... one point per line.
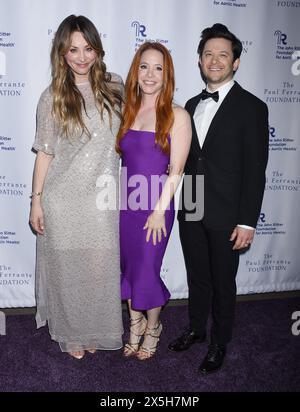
x=78, y=270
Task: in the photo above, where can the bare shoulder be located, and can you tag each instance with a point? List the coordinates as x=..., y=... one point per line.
x=180, y=113
x=181, y=116
x=182, y=124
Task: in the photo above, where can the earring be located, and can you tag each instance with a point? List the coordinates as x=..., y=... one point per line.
x=138, y=90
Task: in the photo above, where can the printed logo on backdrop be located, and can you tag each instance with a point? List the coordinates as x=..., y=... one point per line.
x=288, y=4
x=247, y=44
x=232, y=3
x=9, y=277
x=268, y=263
x=11, y=88
x=278, y=181
x=8, y=88
x=9, y=188
x=140, y=29
x=287, y=93
x=52, y=32
x=4, y=44
x=141, y=36
x=284, y=50
x=6, y=144
x=265, y=227
x=9, y=238
x=280, y=143
x=5, y=39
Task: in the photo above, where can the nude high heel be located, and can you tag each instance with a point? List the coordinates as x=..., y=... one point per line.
x=147, y=353
x=132, y=348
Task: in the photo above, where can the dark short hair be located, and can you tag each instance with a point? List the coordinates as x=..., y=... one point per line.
x=218, y=30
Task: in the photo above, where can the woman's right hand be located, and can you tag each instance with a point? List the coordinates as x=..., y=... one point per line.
x=36, y=218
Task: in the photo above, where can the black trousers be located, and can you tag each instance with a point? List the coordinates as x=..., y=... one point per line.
x=211, y=267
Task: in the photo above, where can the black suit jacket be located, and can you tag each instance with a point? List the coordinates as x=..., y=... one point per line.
x=233, y=160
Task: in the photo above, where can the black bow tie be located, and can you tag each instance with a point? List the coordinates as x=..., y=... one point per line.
x=205, y=95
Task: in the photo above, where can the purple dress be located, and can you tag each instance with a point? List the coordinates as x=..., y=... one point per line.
x=143, y=165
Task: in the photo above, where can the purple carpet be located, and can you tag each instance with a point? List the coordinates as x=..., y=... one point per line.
x=263, y=356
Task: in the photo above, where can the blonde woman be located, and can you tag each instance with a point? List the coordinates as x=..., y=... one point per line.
x=77, y=271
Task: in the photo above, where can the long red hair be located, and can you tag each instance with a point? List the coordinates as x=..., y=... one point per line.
x=164, y=110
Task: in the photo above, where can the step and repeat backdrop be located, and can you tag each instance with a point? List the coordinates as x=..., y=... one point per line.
x=270, y=68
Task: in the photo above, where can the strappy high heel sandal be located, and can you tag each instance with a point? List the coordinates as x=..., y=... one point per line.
x=147, y=353
x=130, y=348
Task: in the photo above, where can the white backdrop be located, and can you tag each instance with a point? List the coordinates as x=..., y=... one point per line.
x=270, y=68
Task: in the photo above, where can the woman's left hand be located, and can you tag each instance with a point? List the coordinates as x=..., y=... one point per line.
x=155, y=224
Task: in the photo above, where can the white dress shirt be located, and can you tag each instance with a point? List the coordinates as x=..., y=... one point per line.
x=205, y=112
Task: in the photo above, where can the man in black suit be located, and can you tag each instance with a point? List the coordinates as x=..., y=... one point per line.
x=230, y=149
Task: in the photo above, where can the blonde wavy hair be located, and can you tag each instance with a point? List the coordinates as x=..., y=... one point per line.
x=67, y=99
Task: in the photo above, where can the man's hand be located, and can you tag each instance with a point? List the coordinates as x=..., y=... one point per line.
x=243, y=237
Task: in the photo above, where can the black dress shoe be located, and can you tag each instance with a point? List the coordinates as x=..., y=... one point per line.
x=213, y=361
x=187, y=339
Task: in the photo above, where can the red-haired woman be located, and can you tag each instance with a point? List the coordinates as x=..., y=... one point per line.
x=153, y=141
